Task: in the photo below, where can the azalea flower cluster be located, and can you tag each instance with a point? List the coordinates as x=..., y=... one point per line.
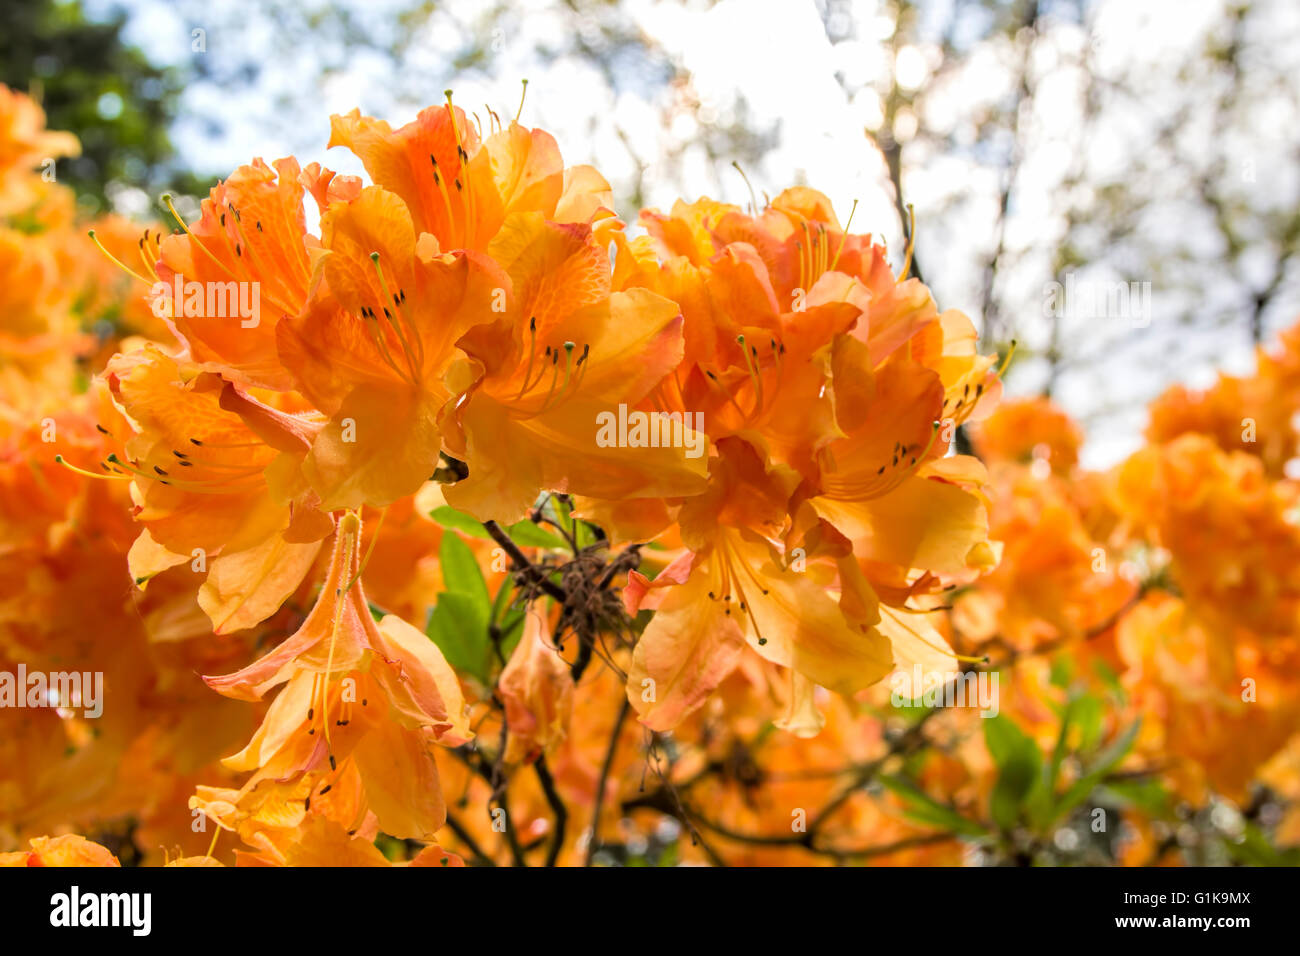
x=506, y=531
x=1162, y=587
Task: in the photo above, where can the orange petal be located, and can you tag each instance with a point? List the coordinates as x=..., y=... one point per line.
x=69, y=850
x=923, y=523
x=795, y=623
x=383, y=444
x=685, y=652
x=400, y=776
x=537, y=689
x=244, y=588
x=425, y=688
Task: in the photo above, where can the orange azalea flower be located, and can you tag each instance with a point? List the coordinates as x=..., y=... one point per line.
x=1196, y=500
x=537, y=689
x=108, y=293
x=25, y=144
x=1030, y=429
x=732, y=587
x=1254, y=415
x=838, y=383
x=370, y=347
x=755, y=359
x=249, y=248
x=265, y=813
x=40, y=341
x=69, y=850
x=1239, y=414
x=285, y=828
x=1058, y=578
x=459, y=188
x=357, y=694
x=885, y=484
x=214, y=478
x=1221, y=708
x=542, y=401
x=1054, y=581
x=368, y=454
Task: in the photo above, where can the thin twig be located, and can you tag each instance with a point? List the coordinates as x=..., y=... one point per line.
x=522, y=564
x=471, y=844
x=557, y=806
x=593, y=844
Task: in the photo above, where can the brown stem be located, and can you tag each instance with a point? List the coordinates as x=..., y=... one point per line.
x=557, y=806
x=593, y=844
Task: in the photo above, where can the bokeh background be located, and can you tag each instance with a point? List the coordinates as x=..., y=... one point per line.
x=1079, y=143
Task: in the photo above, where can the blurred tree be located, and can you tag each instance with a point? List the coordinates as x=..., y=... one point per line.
x=1095, y=143
x=92, y=83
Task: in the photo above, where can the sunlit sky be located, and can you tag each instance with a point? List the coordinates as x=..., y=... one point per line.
x=816, y=96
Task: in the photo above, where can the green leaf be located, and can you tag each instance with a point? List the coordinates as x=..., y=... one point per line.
x=1148, y=795
x=1115, y=751
x=1005, y=740
x=922, y=808
x=460, y=571
x=459, y=626
x=1111, y=679
x=1062, y=671
x=1254, y=849
x=1019, y=765
x=523, y=533
x=502, y=600
x=581, y=532
x=1062, y=742
x=512, y=629
x=528, y=535
x=584, y=534
x=449, y=517
x=1088, y=716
